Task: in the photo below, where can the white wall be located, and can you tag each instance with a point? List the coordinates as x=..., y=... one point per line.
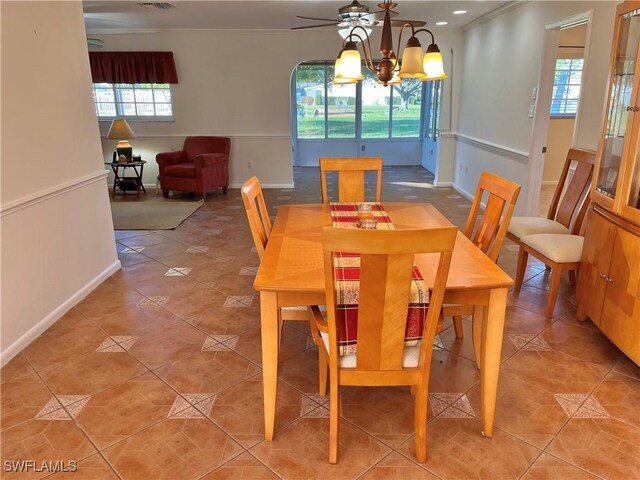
x=57, y=234
x=247, y=99
x=502, y=63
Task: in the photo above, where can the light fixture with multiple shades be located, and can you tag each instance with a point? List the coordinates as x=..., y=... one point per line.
x=389, y=70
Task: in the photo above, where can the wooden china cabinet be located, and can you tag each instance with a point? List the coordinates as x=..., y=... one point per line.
x=609, y=279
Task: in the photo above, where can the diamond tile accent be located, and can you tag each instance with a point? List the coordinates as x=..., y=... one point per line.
x=452, y=412
x=437, y=406
x=109, y=345
x=286, y=190
x=521, y=339
x=75, y=408
x=311, y=409
x=178, y=271
x=446, y=397
x=238, y=301
x=464, y=205
x=310, y=343
x=284, y=197
x=154, y=301
x=132, y=250
x=183, y=409
x=125, y=341
x=233, y=207
x=512, y=248
x=404, y=189
x=212, y=345
x=537, y=345
x=592, y=404
x=437, y=342
x=52, y=411
x=463, y=404
x=252, y=271
x=253, y=250
x=454, y=196
x=410, y=197
x=197, y=249
x=214, y=231
x=570, y=402
x=223, y=218
x=231, y=343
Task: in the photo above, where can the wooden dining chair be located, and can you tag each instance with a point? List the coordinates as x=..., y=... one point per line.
x=487, y=234
x=350, y=177
x=386, y=264
x=566, y=211
x=260, y=226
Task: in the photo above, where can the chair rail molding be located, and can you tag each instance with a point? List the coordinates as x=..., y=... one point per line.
x=501, y=150
x=44, y=195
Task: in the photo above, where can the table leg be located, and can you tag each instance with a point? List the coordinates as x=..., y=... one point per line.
x=492, y=330
x=270, y=334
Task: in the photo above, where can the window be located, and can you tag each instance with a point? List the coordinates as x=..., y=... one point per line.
x=566, y=87
x=354, y=111
x=148, y=101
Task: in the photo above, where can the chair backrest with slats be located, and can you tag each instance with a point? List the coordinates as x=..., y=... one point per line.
x=488, y=233
x=350, y=177
x=386, y=263
x=257, y=213
x=571, y=210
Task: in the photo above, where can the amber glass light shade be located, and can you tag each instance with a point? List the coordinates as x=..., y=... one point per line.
x=351, y=63
x=412, y=63
x=433, y=63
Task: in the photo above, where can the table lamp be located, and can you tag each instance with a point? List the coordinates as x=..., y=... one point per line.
x=120, y=129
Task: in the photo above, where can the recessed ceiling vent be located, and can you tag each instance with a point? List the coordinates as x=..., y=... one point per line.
x=158, y=5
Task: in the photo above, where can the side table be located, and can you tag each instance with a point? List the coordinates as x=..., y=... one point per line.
x=124, y=183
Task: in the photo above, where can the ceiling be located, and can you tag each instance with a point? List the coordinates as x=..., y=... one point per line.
x=117, y=16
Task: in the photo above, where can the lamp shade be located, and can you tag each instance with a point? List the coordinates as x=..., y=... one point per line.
x=120, y=129
x=350, y=64
x=433, y=64
x=412, y=63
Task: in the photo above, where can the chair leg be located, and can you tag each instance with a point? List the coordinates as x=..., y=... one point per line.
x=323, y=368
x=523, y=258
x=203, y=195
x=554, y=286
x=572, y=277
x=334, y=415
x=457, y=326
x=477, y=333
x=165, y=193
x=224, y=190
x=421, y=422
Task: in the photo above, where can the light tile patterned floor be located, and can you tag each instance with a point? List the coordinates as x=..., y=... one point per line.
x=156, y=374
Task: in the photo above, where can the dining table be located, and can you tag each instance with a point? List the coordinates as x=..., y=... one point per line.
x=291, y=273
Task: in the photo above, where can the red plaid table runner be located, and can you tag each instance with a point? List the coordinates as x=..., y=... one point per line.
x=347, y=275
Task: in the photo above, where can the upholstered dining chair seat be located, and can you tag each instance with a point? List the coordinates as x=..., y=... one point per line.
x=557, y=248
x=523, y=226
x=409, y=358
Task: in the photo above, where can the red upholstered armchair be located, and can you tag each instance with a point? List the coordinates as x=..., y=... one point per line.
x=201, y=166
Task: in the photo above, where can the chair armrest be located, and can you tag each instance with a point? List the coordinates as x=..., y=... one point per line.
x=207, y=159
x=171, y=158
x=318, y=319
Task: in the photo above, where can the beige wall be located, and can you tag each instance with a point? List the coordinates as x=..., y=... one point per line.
x=57, y=235
x=502, y=63
x=248, y=100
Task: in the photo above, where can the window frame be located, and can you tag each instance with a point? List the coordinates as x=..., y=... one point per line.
x=133, y=118
x=563, y=100
x=358, y=111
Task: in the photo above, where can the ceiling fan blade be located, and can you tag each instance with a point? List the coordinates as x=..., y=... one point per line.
x=415, y=23
x=379, y=15
x=316, y=18
x=316, y=26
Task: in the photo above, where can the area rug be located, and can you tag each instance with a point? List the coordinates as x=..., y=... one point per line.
x=152, y=213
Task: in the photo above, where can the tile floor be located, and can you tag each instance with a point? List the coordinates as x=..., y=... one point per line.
x=156, y=374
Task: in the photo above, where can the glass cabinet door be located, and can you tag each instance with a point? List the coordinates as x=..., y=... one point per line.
x=621, y=108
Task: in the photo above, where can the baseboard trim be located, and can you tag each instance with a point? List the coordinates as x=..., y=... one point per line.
x=462, y=192
x=34, y=332
x=443, y=184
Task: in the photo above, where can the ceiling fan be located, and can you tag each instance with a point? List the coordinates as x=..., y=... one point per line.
x=357, y=14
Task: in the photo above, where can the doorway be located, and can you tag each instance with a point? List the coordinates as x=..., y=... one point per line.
x=557, y=109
